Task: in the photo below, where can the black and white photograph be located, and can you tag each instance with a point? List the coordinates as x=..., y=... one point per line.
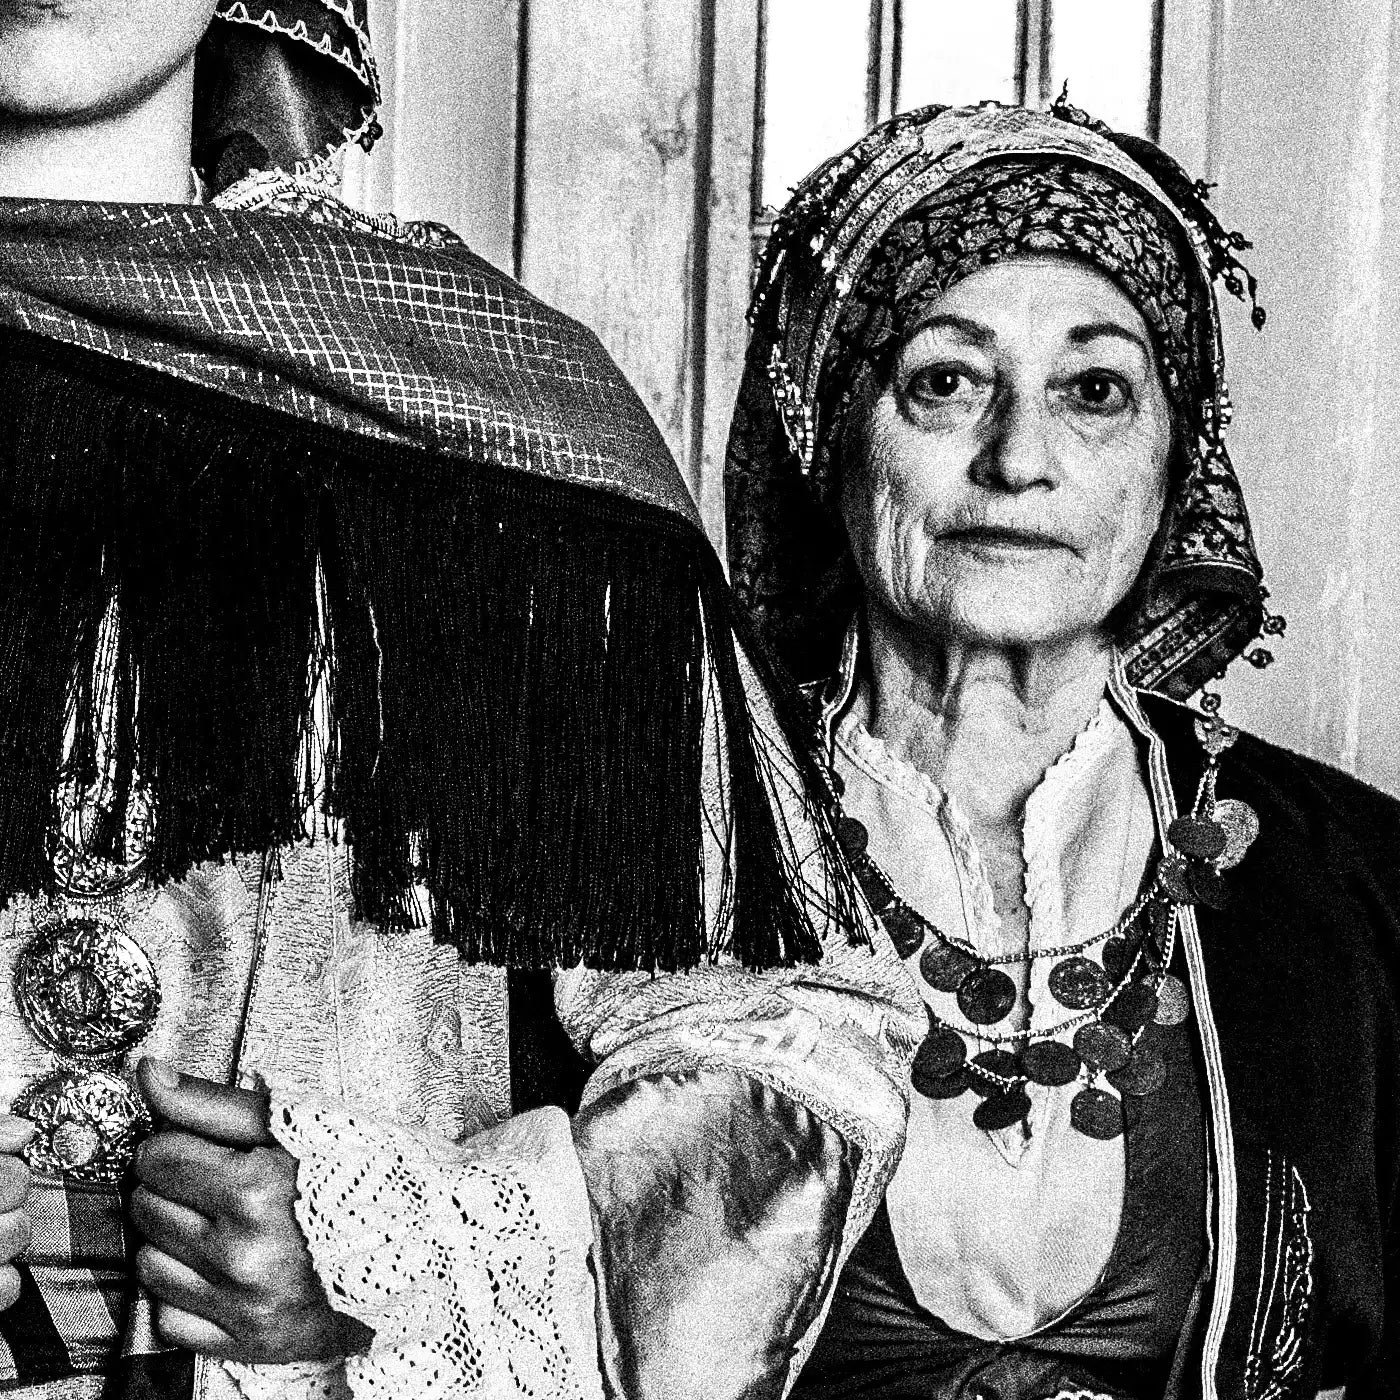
x=700, y=699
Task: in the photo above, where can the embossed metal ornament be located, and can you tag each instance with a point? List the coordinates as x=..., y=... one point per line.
x=1145, y=1073
x=1051, y=1063
x=905, y=928
x=1001, y=1110
x=1133, y=1007
x=986, y=996
x=1173, y=1001
x=1175, y=875
x=1096, y=1114
x=852, y=837
x=1196, y=836
x=1079, y=983
x=943, y=1052
x=1104, y=1047
x=1000, y=1063
x=944, y=966
x=1240, y=823
x=86, y=990
x=89, y=1122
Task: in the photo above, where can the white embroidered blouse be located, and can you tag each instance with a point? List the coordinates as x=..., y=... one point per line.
x=1001, y=1232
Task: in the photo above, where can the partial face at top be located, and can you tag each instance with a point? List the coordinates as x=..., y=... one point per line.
x=1010, y=476
x=69, y=60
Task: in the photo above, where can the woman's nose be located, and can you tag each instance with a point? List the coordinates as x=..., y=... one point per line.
x=1016, y=454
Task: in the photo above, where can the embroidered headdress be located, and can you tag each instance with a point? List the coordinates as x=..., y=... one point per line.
x=283, y=85
x=878, y=232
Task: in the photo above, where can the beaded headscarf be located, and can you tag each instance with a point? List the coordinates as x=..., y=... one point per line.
x=880, y=231
x=283, y=85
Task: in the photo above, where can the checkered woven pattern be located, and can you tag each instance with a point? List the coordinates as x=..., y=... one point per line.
x=73, y=1278
x=323, y=316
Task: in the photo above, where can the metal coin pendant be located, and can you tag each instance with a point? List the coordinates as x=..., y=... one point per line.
x=86, y=990
x=1240, y=823
x=1079, y=983
x=905, y=928
x=1001, y=1063
x=944, y=965
x=852, y=837
x=1133, y=1007
x=1117, y=957
x=986, y=996
x=1096, y=1114
x=1001, y=1110
x=89, y=1122
x=1051, y=1063
x=875, y=888
x=1104, y=1047
x=943, y=1052
x=1198, y=837
x=1173, y=1001
x=950, y=1086
x=1145, y=1073
x=1175, y=876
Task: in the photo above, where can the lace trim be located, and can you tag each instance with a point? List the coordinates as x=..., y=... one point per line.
x=469, y=1262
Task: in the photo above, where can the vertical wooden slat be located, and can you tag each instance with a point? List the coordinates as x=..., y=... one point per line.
x=609, y=187
x=1188, y=95
x=448, y=150
x=728, y=213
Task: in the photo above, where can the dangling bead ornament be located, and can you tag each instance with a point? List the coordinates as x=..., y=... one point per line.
x=1117, y=1000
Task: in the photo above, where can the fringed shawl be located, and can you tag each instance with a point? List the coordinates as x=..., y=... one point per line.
x=312, y=461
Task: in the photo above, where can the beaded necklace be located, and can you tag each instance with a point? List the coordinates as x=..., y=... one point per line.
x=1114, y=1002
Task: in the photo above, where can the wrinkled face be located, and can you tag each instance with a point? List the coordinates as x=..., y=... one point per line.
x=1010, y=476
x=71, y=60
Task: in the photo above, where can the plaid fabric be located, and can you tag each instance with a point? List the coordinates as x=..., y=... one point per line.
x=73, y=1277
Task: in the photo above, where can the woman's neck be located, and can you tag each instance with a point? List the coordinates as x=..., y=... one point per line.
x=138, y=155
x=983, y=721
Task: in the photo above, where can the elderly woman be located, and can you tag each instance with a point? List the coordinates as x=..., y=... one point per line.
x=362, y=663
x=979, y=493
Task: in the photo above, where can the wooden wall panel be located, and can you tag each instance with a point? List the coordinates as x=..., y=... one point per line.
x=610, y=181
x=449, y=70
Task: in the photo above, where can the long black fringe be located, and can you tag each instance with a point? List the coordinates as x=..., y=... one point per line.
x=515, y=671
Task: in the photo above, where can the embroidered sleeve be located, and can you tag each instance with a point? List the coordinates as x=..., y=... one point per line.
x=468, y=1261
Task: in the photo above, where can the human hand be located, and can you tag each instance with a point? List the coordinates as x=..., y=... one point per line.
x=225, y=1260
x=14, y=1188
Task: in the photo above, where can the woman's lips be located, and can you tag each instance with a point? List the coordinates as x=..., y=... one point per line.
x=1003, y=537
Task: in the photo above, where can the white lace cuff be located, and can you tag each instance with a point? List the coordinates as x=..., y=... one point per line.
x=469, y=1261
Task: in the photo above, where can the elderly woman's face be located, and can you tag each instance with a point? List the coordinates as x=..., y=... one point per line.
x=1011, y=474
x=67, y=60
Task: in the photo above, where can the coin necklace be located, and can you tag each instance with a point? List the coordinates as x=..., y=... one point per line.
x=1114, y=999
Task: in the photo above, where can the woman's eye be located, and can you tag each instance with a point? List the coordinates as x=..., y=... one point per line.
x=1100, y=392
x=939, y=383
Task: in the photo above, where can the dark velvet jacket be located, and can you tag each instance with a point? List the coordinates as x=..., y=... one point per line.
x=1301, y=975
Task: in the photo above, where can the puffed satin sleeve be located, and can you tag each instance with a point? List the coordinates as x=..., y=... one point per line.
x=735, y=1141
